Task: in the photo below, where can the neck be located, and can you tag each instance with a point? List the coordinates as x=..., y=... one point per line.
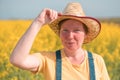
x=75, y=57
x=70, y=53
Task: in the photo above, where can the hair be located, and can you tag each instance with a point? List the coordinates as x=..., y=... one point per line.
x=61, y=22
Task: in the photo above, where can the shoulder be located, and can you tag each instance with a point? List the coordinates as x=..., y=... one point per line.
x=46, y=59
x=45, y=54
x=98, y=60
x=97, y=57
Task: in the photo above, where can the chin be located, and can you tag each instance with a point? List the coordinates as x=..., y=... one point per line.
x=71, y=49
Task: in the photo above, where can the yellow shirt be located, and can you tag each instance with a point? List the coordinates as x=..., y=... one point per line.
x=69, y=70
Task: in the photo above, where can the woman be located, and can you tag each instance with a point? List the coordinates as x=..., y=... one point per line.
x=70, y=63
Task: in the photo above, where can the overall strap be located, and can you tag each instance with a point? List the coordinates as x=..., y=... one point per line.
x=58, y=65
x=91, y=66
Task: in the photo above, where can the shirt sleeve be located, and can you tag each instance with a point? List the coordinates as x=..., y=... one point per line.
x=41, y=58
x=100, y=68
x=46, y=59
x=104, y=72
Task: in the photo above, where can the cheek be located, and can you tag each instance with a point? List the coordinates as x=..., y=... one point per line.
x=62, y=37
x=80, y=37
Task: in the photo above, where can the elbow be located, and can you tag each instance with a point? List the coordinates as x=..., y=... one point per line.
x=17, y=60
x=14, y=60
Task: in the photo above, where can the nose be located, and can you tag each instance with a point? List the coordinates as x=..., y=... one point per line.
x=70, y=35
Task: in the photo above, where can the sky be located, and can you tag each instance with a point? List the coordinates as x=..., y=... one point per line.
x=29, y=9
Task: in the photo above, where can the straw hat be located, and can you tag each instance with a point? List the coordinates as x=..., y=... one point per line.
x=74, y=11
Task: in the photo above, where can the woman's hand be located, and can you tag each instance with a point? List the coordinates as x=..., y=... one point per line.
x=46, y=16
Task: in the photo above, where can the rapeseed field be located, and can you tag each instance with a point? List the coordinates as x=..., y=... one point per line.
x=107, y=44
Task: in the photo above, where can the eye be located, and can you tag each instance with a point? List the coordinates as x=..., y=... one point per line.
x=77, y=30
x=64, y=30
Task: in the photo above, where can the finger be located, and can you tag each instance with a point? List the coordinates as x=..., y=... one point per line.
x=42, y=14
x=54, y=14
x=51, y=14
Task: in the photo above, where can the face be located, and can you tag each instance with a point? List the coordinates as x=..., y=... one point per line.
x=72, y=34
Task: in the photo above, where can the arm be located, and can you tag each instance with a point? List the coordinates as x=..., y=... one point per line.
x=20, y=56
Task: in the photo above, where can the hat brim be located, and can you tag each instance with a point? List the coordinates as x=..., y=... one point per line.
x=92, y=24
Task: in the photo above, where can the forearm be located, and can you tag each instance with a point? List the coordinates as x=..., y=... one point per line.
x=22, y=49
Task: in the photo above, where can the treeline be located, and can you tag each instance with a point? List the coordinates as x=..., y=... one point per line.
x=109, y=20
